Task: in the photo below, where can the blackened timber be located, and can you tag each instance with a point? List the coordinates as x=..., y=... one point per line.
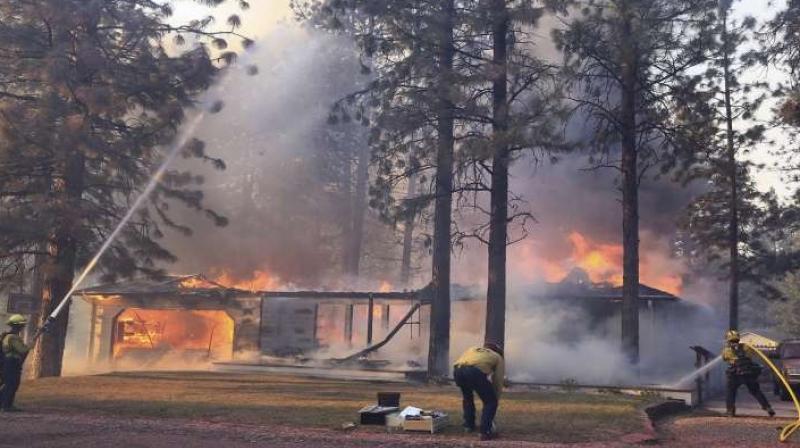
x=386, y=340
x=370, y=319
x=414, y=296
x=349, y=312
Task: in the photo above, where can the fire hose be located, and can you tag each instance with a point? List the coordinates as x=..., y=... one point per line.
x=789, y=429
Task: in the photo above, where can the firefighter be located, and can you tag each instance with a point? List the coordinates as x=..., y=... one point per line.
x=741, y=370
x=14, y=351
x=471, y=373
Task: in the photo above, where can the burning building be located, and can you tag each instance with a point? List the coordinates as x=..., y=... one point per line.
x=190, y=318
x=184, y=319
x=583, y=312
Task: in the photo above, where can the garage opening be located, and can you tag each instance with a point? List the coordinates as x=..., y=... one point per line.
x=171, y=338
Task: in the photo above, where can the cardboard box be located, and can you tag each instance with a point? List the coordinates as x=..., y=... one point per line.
x=426, y=423
x=394, y=421
x=375, y=415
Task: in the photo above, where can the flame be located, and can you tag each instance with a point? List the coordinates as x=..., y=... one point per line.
x=258, y=281
x=385, y=287
x=602, y=262
x=196, y=283
x=207, y=333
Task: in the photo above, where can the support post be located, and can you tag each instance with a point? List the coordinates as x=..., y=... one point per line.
x=698, y=363
x=385, y=340
x=370, y=319
x=92, y=333
x=348, y=324
x=385, y=317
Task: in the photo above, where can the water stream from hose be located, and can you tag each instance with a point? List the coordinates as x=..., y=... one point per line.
x=683, y=382
x=183, y=137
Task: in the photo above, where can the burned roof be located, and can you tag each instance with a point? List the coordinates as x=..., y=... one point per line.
x=196, y=286
x=169, y=285
x=599, y=291
x=578, y=286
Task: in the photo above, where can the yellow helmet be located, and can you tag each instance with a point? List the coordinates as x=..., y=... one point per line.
x=732, y=336
x=17, y=320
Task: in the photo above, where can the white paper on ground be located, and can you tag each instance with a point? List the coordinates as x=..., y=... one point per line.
x=410, y=411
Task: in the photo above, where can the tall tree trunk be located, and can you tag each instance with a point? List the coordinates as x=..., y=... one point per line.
x=59, y=270
x=439, y=345
x=733, y=205
x=630, y=197
x=37, y=287
x=498, y=221
x=408, y=235
x=358, y=213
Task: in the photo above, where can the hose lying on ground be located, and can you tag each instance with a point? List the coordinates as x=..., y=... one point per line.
x=791, y=427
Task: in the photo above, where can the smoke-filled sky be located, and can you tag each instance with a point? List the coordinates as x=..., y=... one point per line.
x=265, y=15
x=266, y=129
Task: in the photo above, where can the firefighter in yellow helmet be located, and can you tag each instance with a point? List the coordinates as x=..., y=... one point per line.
x=471, y=374
x=14, y=353
x=741, y=370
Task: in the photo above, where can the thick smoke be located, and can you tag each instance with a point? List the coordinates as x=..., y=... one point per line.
x=279, y=187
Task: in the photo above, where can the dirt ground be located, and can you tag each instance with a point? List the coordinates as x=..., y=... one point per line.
x=50, y=431
x=88, y=431
x=718, y=431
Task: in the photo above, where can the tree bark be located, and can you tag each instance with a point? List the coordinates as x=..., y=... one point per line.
x=37, y=288
x=59, y=271
x=630, y=196
x=408, y=235
x=358, y=214
x=733, y=204
x=498, y=221
x=439, y=345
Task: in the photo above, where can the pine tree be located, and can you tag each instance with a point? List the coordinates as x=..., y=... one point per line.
x=627, y=59
x=514, y=113
x=726, y=105
x=410, y=48
x=90, y=93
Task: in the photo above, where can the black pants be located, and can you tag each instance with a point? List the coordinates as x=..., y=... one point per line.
x=471, y=380
x=751, y=382
x=12, y=374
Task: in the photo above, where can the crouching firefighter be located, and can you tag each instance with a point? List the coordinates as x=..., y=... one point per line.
x=471, y=373
x=741, y=370
x=14, y=353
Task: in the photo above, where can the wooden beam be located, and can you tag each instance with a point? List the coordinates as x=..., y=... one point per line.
x=386, y=340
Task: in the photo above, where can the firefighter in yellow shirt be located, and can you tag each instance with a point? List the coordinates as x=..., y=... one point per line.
x=471, y=373
x=14, y=353
x=742, y=370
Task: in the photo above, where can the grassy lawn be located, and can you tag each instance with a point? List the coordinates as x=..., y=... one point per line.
x=295, y=401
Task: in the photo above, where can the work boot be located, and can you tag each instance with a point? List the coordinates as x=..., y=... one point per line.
x=770, y=411
x=469, y=430
x=485, y=437
x=731, y=412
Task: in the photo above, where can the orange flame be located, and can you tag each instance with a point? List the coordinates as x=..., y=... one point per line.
x=385, y=287
x=209, y=333
x=196, y=283
x=258, y=281
x=601, y=261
